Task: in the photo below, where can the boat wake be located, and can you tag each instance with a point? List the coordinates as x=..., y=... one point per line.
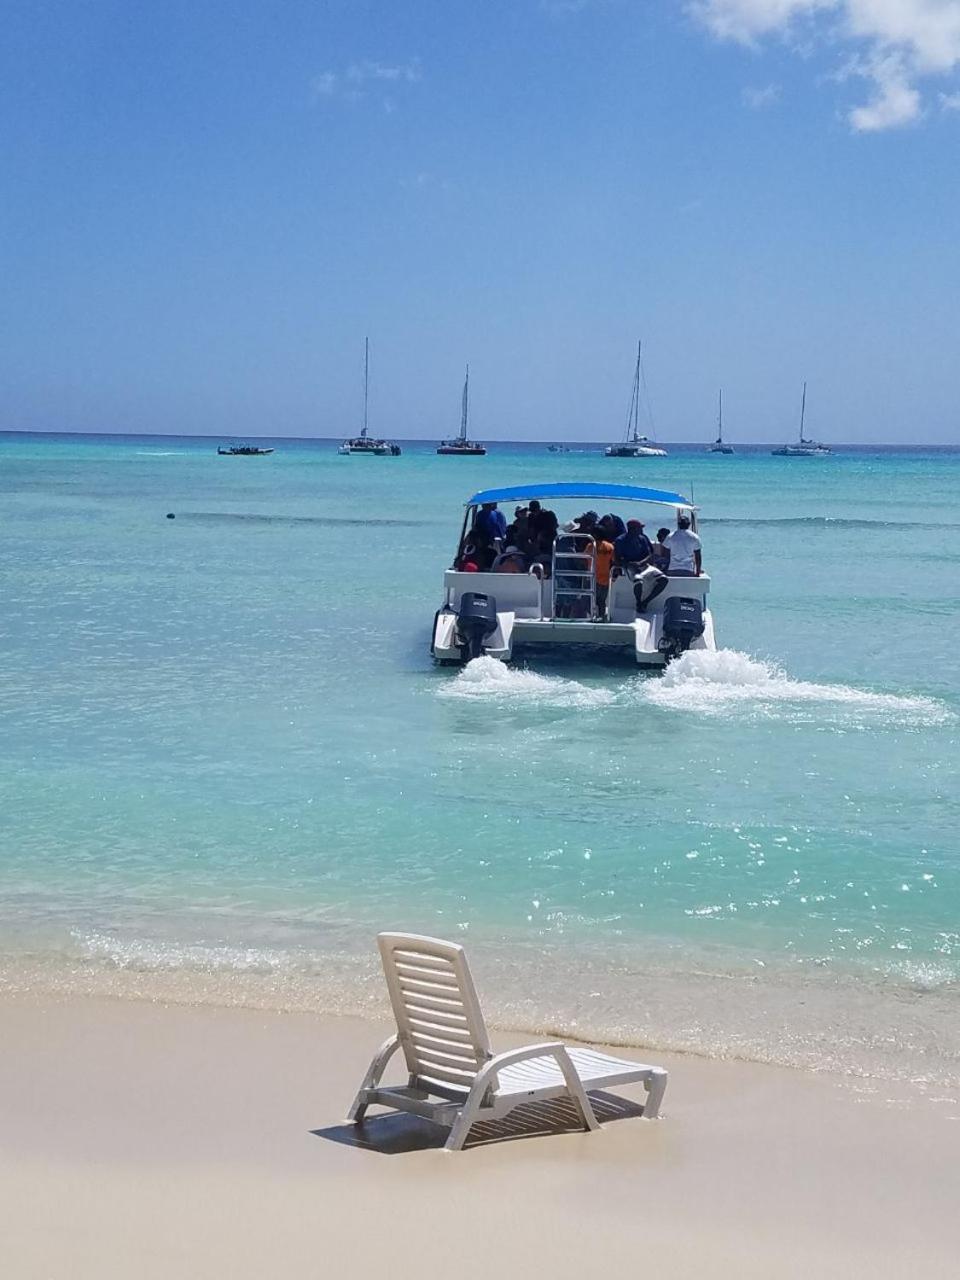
x=489, y=679
x=720, y=684
x=725, y=682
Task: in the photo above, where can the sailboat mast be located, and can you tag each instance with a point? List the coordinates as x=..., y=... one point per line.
x=803, y=409
x=720, y=420
x=366, y=382
x=635, y=407
x=464, y=407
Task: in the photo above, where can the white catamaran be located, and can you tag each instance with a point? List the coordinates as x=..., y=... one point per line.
x=718, y=445
x=461, y=446
x=363, y=443
x=635, y=445
x=803, y=448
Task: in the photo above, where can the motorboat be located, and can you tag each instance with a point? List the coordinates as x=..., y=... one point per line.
x=557, y=448
x=242, y=451
x=460, y=446
x=368, y=445
x=719, y=445
x=634, y=445
x=803, y=448
x=365, y=444
x=555, y=602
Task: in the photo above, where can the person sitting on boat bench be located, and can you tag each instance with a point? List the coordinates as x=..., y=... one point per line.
x=632, y=549
x=541, y=521
x=684, y=548
x=518, y=532
x=610, y=527
x=510, y=560
x=661, y=556
x=490, y=523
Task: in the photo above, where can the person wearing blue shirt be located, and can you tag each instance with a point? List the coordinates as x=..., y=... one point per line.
x=490, y=522
x=632, y=547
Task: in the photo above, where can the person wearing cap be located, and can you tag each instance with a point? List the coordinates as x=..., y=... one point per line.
x=632, y=547
x=684, y=547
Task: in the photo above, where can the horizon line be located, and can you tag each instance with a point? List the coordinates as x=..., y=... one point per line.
x=203, y=435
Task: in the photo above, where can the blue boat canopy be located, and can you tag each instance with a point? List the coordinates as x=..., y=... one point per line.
x=613, y=492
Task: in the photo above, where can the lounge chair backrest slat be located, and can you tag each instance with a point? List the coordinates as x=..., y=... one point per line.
x=441, y=1028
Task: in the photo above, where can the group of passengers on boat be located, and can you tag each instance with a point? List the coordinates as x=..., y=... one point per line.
x=591, y=548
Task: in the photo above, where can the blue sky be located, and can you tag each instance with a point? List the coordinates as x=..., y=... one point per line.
x=207, y=207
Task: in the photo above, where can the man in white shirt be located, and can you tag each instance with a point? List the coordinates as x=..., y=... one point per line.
x=684, y=547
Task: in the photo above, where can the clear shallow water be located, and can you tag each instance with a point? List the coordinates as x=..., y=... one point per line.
x=223, y=771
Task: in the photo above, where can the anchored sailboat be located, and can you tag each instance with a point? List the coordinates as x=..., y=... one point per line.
x=461, y=446
x=718, y=445
x=635, y=445
x=363, y=443
x=804, y=448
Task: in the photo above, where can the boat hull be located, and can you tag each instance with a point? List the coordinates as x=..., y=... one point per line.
x=523, y=605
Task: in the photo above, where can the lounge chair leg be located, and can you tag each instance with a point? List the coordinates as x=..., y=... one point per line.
x=656, y=1087
x=576, y=1090
x=464, y=1122
x=584, y=1106
x=372, y=1078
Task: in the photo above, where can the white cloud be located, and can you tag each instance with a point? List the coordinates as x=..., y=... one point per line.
x=325, y=84
x=757, y=98
x=352, y=83
x=896, y=44
x=895, y=101
x=362, y=72
x=950, y=101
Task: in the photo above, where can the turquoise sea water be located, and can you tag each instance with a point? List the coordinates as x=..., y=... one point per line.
x=226, y=759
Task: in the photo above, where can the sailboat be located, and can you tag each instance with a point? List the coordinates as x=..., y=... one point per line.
x=635, y=445
x=364, y=443
x=718, y=446
x=803, y=448
x=461, y=446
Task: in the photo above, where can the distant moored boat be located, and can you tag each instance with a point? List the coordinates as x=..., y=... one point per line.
x=460, y=446
x=718, y=445
x=363, y=443
x=803, y=448
x=635, y=445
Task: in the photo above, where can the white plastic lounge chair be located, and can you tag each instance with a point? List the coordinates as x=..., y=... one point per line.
x=454, y=1077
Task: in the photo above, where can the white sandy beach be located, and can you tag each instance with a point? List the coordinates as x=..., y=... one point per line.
x=161, y=1141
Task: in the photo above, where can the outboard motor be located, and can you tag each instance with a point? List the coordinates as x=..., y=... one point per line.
x=476, y=619
x=682, y=624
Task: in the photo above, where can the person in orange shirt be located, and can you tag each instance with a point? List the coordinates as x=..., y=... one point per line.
x=603, y=563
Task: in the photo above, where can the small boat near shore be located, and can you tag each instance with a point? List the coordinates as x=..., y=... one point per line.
x=364, y=444
x=803, y=448
x=242, y=451
x=460, y=446
x=635, y=445
x=555, y=599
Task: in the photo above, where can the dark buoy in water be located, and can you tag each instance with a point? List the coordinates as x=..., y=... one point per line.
x=171, y=516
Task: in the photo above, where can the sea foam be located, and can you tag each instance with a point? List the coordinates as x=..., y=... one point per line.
x=723, y=681
x=489, y=678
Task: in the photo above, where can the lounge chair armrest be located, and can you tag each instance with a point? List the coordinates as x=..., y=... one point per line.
x=372, y=1078
x=548, y=1049
x=383, y=1056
